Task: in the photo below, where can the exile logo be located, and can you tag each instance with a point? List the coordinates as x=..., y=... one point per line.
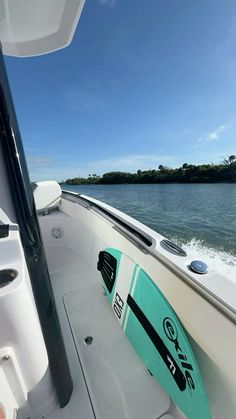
x=118, y=305
x=171, y=332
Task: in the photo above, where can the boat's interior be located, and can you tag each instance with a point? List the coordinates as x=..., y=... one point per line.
x=115, y=381
x=109, y=379
x=61, y=325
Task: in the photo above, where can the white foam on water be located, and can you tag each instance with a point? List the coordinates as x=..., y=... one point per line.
x=220, y=261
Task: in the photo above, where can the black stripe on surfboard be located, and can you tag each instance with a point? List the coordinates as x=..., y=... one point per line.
x=168, y=359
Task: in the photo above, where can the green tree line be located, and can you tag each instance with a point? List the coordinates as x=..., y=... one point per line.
x=187, y=173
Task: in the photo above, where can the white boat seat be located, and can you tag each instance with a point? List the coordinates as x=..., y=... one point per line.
x=47, y=195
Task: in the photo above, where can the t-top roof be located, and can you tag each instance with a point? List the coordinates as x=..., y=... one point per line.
x=35, y=27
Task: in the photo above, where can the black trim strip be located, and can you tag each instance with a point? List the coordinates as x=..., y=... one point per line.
x=168, y=359
x=147, y=241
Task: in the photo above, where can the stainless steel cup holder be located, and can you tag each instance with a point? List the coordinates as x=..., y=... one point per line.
x=7, y=276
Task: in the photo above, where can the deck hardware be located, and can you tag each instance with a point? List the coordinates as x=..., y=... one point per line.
x=173, y=248
x=4, y=230
x=7, y=276
x=57, y=232
x=199, y=267
x=88, y=340
x=36, y=255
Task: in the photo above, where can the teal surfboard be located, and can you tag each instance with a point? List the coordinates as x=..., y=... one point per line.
x=154, y=330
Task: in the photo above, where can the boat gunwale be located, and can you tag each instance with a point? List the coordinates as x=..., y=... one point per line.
x=134, y=234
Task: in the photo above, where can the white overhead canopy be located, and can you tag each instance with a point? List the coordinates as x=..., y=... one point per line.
x=35, y=27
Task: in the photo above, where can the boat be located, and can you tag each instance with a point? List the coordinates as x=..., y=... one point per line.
x=100, y=316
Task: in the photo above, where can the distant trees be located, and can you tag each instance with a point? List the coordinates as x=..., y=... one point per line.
x=230, y=160
x=116, y=177
x=230, y=163
x=187, y=173
x=92, y=179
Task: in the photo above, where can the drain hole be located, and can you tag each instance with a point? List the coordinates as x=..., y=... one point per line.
x=88, y=340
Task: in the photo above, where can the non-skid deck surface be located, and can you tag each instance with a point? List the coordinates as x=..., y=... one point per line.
x=118, y=383
x=110, y=382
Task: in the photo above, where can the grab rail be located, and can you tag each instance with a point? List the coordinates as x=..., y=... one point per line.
x=144, y=238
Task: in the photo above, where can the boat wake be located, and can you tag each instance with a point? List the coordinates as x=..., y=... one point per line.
x=219, y=260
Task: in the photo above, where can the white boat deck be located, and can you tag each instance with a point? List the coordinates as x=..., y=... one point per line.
x=109, y=379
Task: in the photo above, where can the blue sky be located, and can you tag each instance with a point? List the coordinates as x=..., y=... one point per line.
x=142, y=84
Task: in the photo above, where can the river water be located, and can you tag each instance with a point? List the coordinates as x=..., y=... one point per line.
x=200, y=217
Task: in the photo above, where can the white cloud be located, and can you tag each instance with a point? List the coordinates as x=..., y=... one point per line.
x=38, y=162
x=129, y=163
x=110, y=3
x=213, y=135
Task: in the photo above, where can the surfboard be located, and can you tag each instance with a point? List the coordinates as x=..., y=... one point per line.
x=154, y=330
